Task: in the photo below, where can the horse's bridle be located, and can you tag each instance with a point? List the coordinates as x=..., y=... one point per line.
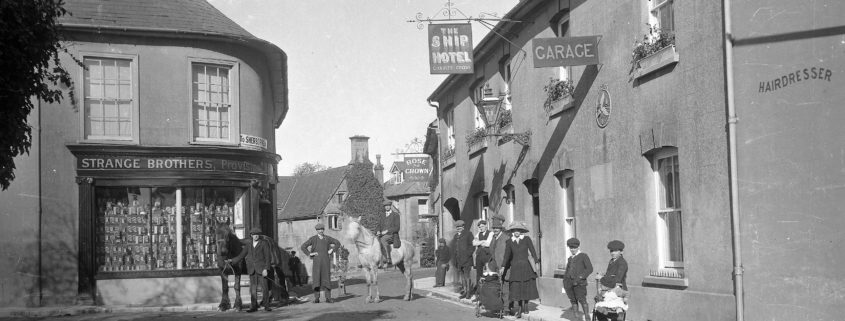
x=360, y=235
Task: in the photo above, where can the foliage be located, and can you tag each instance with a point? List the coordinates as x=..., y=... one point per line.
x=556, y=90
x=475, y=136
x=505, y=118
x=29, y=68
x=427, y=252
x=448, y=152
x=365, y=195
x=653, y=41
x=308, y=168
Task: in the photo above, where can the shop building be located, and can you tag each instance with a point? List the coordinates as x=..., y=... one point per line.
x=172, y=133
x=699, y=153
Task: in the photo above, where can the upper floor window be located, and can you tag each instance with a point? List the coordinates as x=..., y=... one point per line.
x=110, y=98
x=214, y=102
x=483, y=206
x=340, y=198
x=668, y=193
x=333, y=220
x=562, y=30
x=662, y=15
x=450, y=128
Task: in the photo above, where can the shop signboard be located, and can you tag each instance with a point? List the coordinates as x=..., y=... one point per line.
x=450, y=48
x=253, y=142
x=119, y=162
x=417, y=169
x=565, y=51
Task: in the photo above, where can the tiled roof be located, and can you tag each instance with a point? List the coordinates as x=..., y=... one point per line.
x=398, y=167
x=308, y=195
x=175, y=15
x=406, y=188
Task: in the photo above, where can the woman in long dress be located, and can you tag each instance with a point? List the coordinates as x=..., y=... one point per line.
x=519, y=271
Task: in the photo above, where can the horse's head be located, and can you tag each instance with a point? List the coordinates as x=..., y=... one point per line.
x=221, y=235
x=353, y=228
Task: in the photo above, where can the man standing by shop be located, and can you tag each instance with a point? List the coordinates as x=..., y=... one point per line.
x=497, y=248
x=462, y=249
x=389, y=230
x=318, y=248
x=258, y=258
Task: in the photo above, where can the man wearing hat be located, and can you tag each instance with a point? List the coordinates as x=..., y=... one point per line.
x=497, y=248
x=258, y=256
x=482, y=249
x=318, y=247
x=617, y=269
x=462, y=255
x=578, y=268
x=441, y=258
x=389, y=231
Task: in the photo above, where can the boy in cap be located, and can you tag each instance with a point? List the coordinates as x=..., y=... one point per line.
x=462, y=254
x=617, y=268
x=317, y=247
x=258, y=257
x=578, y=268
x=441, y=258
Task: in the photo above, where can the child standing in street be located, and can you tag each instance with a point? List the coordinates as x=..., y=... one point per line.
x=578, y=268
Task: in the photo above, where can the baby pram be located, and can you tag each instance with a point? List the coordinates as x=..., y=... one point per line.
x=490, y=297
x=613, y=307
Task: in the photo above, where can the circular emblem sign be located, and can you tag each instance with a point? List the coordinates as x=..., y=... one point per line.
x=603, y=107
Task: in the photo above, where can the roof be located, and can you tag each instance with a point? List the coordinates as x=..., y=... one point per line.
x=406, y=189
x=193, y=19
x=398, y=167
x=307, y=196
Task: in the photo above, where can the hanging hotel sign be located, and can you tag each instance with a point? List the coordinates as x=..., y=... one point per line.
x=253, y=142
x=450, y=48
x=169, y=163
x=566, y=51
x=417, y=169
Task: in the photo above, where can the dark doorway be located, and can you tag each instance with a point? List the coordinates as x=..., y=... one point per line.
x=536, y=233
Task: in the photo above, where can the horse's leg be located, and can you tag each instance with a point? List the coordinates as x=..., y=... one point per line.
x=375, y=285
x=369, y=283
x=238, y=302
x=224, y=300
x=409, y=281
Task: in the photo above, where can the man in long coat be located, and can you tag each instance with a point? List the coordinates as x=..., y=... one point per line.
x=389, y=230
x=258, y=254
x=462, y=255
x=497, y=247
x=318, y=248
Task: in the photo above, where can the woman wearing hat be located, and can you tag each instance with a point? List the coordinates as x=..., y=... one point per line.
x=520, y=273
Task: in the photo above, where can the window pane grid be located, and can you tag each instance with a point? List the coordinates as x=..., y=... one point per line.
x=108, y=98
x=674, y=240
x=211, y=102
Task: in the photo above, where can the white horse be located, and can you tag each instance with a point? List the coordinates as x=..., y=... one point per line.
x=369, y=255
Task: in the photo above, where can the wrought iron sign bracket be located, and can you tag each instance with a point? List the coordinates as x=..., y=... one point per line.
x=523, y=138
x=449, y=11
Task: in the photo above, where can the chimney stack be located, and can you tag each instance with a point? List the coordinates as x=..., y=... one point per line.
x=360, y=149
x=379, y=170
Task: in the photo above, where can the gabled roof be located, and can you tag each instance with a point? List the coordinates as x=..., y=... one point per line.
x=406, y=189
x=307, y=196
x=183, y=19
x=398, y=167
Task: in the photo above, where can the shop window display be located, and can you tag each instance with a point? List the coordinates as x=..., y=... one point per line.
x=138, y=227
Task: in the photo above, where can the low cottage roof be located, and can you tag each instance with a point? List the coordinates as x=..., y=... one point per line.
x=406, y=189
x=191, y=19
x=307, y=196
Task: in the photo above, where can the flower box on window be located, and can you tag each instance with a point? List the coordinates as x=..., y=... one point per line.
x=447, y=159
x=558, y=96
x=476, y=140
x=656, y=61
x=560, y=106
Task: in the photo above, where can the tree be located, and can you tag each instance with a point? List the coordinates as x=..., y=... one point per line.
x=29, y=68
x=308, y=168
x=365, y=195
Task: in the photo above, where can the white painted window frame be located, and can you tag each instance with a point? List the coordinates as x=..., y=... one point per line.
x=135, y=113
x=654, y=8
x=234, y=101
x=662, y=231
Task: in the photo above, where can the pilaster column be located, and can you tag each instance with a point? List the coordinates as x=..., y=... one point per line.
x=87, y=254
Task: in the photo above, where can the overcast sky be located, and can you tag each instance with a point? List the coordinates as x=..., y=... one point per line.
x=355, y=67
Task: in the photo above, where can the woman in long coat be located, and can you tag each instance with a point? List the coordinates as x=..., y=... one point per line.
x=520, y=273
x=317, y=247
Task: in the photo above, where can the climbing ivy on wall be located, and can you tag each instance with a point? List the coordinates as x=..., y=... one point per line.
x=365, y=195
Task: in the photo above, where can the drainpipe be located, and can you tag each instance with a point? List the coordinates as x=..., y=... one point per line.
x=734, y=185
x=40, y=207
x=436, y=106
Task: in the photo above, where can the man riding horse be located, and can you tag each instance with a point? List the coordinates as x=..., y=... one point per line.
x=389, y=227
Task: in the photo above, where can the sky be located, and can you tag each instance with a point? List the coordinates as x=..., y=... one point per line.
x=355, y=67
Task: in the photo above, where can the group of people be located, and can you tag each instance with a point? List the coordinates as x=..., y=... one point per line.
x=510, y=254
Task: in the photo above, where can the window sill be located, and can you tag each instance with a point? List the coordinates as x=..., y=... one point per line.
x=448, y=162
x=477, y=148
x=107, y=141
x=560, y=106
x=656, y=61
x=667, y=282
x=214, y=143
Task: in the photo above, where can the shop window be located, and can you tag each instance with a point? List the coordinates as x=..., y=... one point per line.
x=333, y=221
x=163, y=228
x=110, y=98
x=214, y=102
x=669, y=213
x=422, y=206
x=662, y=15
x=566, y=181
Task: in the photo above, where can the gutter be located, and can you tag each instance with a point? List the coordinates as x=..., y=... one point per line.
x=736, y=232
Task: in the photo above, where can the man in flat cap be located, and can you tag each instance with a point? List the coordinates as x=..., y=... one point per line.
x=617, y=269
x=318, y=247
x=462, y=250
x=389, y=231
x=258, y=254
x=578, y=268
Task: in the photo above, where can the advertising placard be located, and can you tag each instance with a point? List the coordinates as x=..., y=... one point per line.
x=450, y=48
x=565, y=51
x=417, y=169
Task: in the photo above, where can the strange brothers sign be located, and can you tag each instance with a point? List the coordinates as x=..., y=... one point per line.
x=417, y=169
x=568, y=51
x=450, y=48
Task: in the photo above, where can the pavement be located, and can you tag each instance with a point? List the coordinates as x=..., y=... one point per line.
x=537, y=311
